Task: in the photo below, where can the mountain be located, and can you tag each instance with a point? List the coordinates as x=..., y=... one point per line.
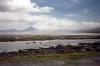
x=9, y=30
x=28, y=29
x=96, y=30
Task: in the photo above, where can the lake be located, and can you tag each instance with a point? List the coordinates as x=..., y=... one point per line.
x=19, y=45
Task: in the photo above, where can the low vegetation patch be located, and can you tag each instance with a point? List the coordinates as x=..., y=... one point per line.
x=49, y=57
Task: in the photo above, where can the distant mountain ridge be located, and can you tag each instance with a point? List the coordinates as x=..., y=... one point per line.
x=96, y=30
x=28, y=29
x=32, y=29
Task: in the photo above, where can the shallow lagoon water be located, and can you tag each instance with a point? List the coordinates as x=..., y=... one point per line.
x=19, y=45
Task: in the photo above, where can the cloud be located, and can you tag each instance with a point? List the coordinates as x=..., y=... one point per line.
x=43, y=22
x=13, y=25
x=53, y=23
x=46, y=22
x=22, y=6
x=14, y=14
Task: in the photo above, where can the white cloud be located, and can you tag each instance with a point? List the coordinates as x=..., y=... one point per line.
x=22, y=6
x=12, y=25
x=15, y=12
x=16, y=16
x=52, y=23
x=46, y=22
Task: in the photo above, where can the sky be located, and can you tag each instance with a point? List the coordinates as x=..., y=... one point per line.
x=50, y=15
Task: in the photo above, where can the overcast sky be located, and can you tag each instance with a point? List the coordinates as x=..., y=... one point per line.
x=67, y=15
